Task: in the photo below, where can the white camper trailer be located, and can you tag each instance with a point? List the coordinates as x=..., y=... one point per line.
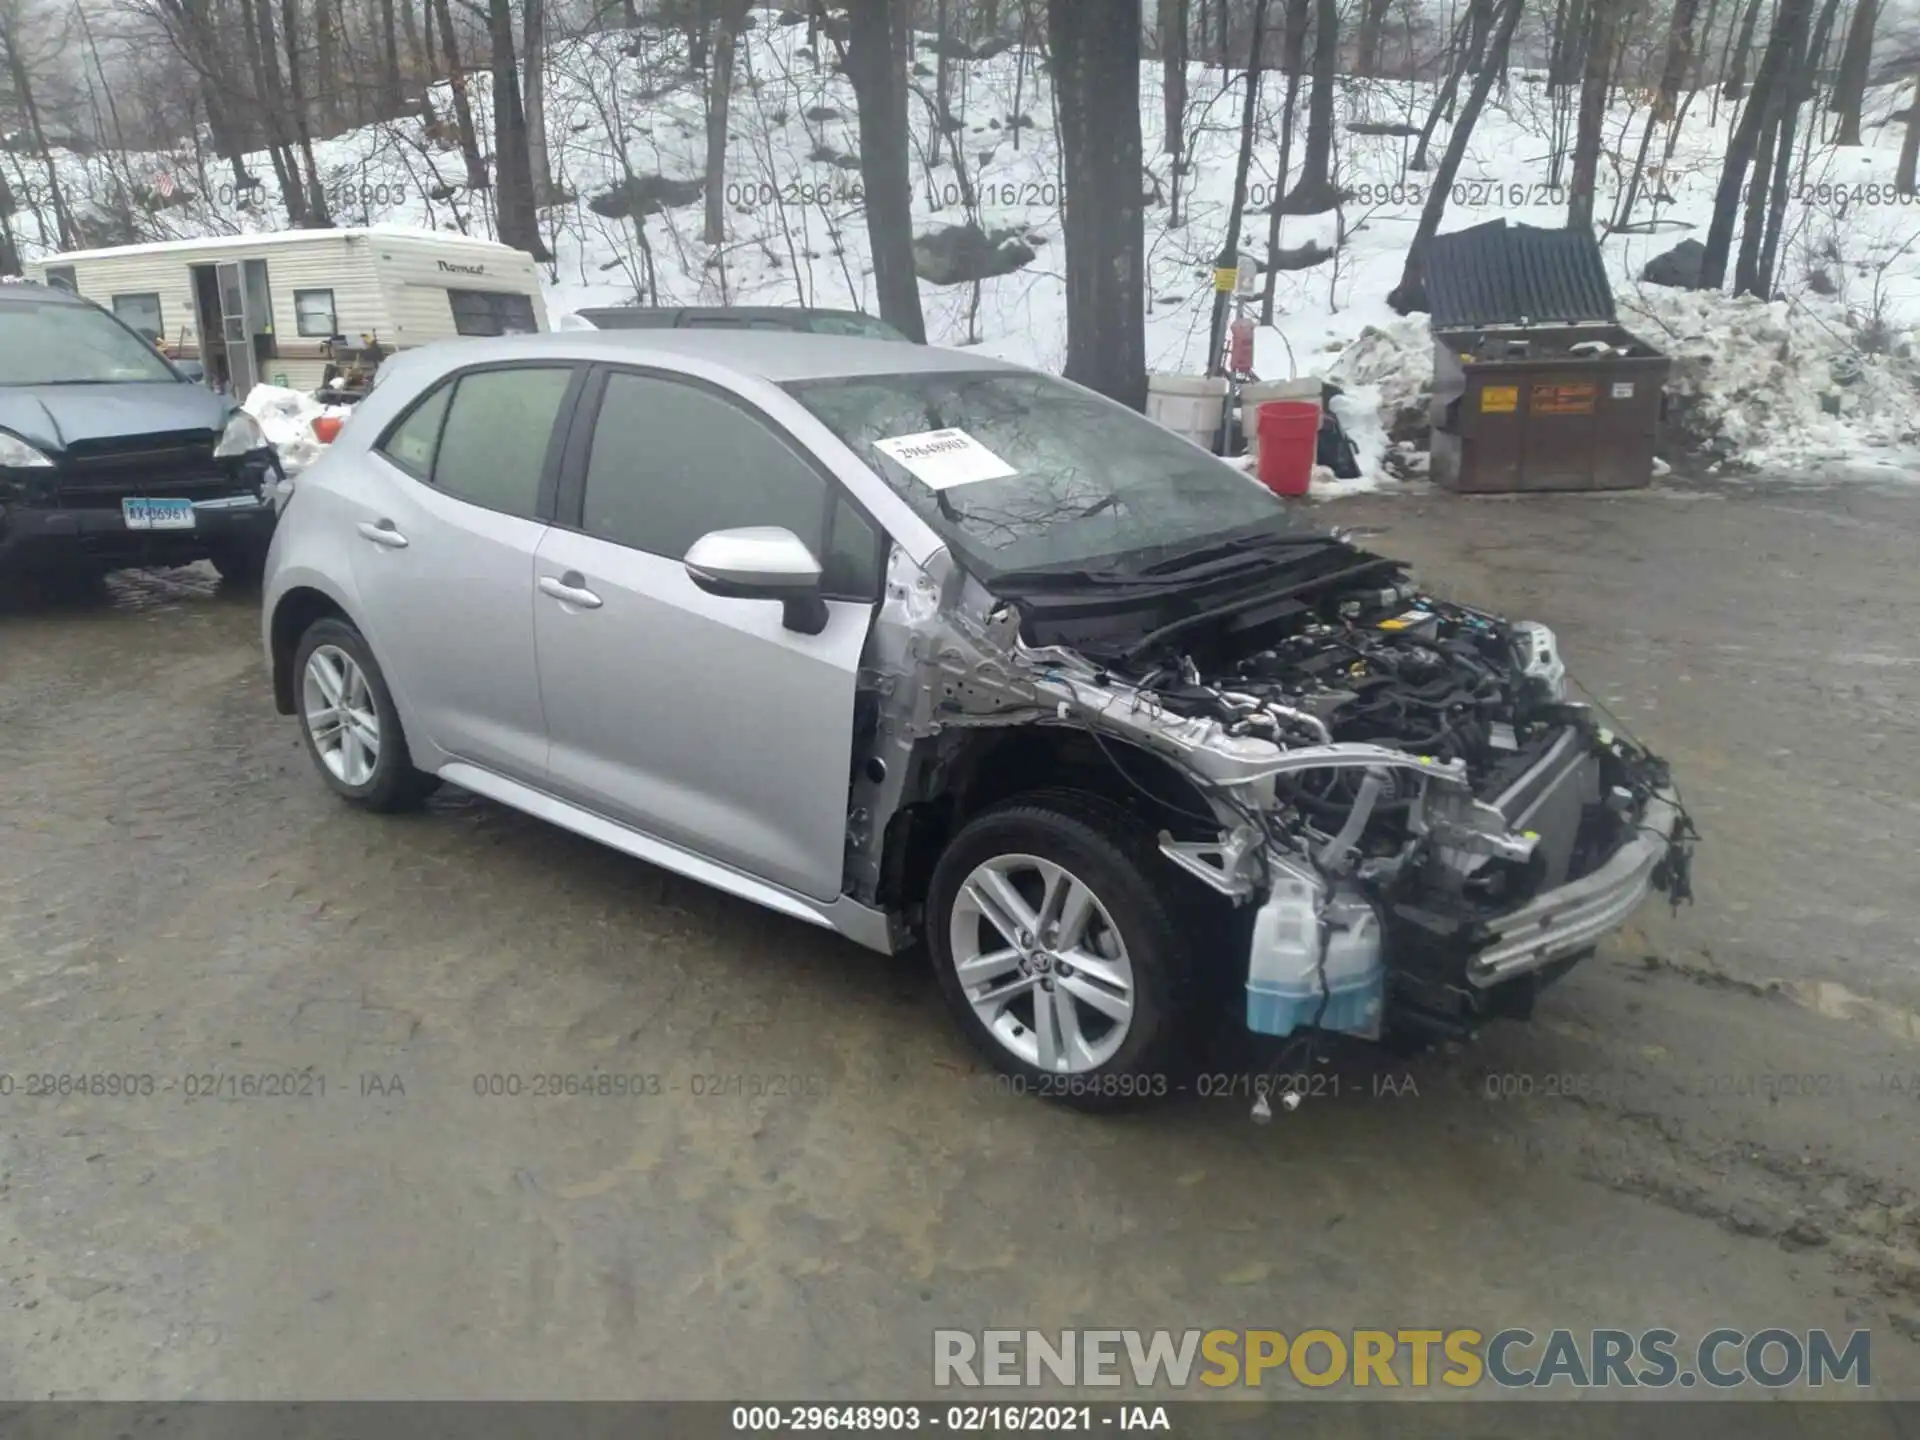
x=254, y=308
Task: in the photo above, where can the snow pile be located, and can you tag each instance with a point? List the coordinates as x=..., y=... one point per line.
x=1385, y=375
x=1781, y=385
x=287, y=416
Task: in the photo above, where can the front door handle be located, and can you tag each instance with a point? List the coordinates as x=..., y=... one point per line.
x=571, y=589
x=383, y=533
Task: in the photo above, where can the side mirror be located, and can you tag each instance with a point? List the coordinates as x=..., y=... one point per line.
x=761, y=562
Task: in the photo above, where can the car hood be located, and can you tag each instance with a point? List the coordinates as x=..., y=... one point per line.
x=53, y=417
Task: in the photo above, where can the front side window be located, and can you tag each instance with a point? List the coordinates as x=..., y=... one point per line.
x=313, y=314
x=671, y=462
x=491, y=312
x=68, y=344
x=493, y=446
x=1030, y=472
x=140, y=313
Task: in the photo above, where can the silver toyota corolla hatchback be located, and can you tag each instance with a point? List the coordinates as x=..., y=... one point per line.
x=923, y=647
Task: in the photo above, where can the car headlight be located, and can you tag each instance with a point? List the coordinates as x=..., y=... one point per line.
x=1539, y=653
x=17, y=454
x=242, y=436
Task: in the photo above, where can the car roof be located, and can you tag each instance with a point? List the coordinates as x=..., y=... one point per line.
x=40, y=294
x=779, y=356
x=775, y=311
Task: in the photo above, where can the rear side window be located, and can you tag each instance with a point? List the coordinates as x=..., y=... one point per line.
x=493, y=447
x=412, y=441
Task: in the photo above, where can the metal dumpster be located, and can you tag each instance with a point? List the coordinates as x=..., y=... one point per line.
x=1536, y=386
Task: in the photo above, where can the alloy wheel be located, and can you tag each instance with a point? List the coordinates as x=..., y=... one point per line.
x=341, y=718
x=1042, y=963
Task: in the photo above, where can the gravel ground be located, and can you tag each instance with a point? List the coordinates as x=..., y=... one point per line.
x=825, y=1175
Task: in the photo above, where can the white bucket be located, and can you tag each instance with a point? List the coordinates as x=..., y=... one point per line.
x=1189, y=405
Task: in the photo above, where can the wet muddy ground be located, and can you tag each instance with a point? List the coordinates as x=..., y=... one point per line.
x=316, y=1191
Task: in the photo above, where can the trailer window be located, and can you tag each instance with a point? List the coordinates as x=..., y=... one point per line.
x=62, y=276
x=313, y=314
x=141, y=312
x=491, y=312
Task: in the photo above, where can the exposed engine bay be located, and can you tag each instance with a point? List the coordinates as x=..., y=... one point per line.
x=1416, y=823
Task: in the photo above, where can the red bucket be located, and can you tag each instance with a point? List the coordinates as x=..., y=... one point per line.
x=1289, y=433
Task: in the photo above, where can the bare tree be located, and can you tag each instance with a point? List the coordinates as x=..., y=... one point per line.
x=1769, y=83
x=1230, y=246
x=1173, y=73
x=1096, y=64
x=1595, y=83
x=732, y=15
x=21, y=61
x=1315, y=192
x=533, y=51
x=1410, y=294
x=877, y=51
x=516, y=220
x=1293, y=58
x=1903, y=174
x=316, y=202
x=477, y=178
x=1366, y=44
x=1856, y=59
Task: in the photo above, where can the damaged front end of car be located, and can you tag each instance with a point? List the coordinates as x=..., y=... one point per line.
x=1410, y=824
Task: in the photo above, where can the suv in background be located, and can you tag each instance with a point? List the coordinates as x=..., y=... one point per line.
x=111, y=456
x=743, y=317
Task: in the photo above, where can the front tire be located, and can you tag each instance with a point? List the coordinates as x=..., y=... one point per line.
x=350, y=723
x=241, y=566
x=1062, y=940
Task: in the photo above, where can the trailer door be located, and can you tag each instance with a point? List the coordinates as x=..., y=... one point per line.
x=236, y=329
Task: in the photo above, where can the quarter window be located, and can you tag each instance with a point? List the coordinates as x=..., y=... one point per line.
x=411, y=443
x=493, y=447
x=672, y=462
x=313, y=314
x=491, y=312
x=140, y=313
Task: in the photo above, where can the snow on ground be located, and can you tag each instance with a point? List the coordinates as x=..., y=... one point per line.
x=1761, y=378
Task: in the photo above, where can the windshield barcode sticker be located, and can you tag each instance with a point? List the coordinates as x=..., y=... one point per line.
x=941, y=459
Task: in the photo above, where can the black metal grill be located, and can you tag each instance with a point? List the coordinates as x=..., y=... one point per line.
x=179, y=465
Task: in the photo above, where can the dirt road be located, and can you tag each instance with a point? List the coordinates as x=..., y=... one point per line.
x=1714, y=1123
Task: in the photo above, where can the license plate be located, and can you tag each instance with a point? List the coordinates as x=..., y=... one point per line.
x=158, y=514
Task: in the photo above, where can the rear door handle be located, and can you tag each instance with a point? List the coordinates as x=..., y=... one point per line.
x=571, y=589
x=383, y=533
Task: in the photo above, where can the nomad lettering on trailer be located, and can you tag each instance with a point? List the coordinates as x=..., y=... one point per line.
x=452, y=268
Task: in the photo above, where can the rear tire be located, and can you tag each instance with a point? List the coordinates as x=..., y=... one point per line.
x=350, y=723
x=1092, y=1000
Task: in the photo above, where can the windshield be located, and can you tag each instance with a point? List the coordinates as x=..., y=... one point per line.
x=1033, y=473
x=67, y=344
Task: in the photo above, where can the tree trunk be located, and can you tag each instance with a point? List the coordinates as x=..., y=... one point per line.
x=1903, y=174
x=1769, y=82
x=1801, y=66
x=1443, y=102
x=942, y=78
x=1411, y=293
x=517, y=220
x=1096, y=63
x=391, y=97
x=1230, y=247
x=1293, y=59
x=1568, y=59
x=1753, y=223
x=419, y=49
x=1736, y=81
x=258, y=35
x=534, y=54
x=326, y=63
x=719, y=105
x=1316, y=193
x=878, y=51
x=1173, y=75
x=317, y=216
x=1373, y=17
x=462, y=108
x=1850, y=85
x=1594, y=84
x=1673, y=73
